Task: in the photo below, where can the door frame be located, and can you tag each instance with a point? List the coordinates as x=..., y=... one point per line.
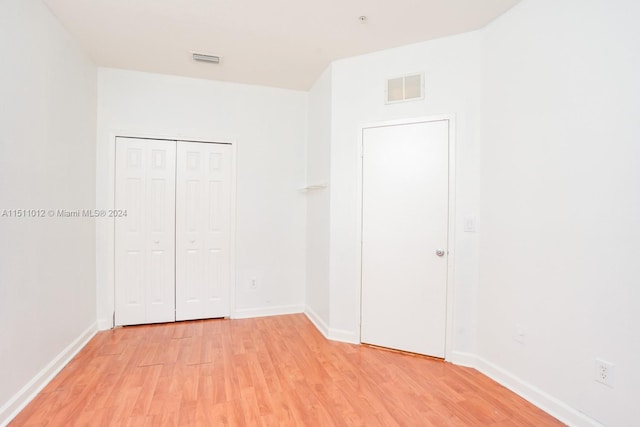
x=450, y=118
x=110, y=222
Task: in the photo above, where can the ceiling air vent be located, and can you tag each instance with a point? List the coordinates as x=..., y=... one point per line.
x=206, y=58
x=405, y=88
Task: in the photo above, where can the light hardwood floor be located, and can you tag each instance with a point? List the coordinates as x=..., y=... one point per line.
x=272, y=371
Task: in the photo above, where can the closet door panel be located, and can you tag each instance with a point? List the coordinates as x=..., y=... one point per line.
x=203, y=230
x=145, y=237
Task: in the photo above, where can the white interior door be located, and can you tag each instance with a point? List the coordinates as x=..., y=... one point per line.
x=404, y=224
x=145, y=237
x=203, y=225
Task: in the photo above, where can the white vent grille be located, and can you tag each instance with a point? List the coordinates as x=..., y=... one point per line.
x=405, y=88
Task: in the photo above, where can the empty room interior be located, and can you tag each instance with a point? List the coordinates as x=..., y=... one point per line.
x=330, y=213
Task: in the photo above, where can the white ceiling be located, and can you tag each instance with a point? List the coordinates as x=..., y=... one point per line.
x=281, y=43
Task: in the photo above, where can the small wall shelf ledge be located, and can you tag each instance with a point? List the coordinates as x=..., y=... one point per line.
x=309, y=188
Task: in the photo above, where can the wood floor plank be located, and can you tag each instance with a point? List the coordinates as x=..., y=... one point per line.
x=275, y=371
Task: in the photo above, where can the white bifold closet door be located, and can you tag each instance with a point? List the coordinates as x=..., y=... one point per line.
x=202, y=230
x=172, y=250
x=145, y=238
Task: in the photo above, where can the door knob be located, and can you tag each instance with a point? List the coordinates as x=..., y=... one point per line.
x=440, y=252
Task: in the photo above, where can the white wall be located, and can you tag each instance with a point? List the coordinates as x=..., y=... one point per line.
x=318, y=173
x=269, y=126
x=47, y=161
x=560, y=202
x=452, y=76
x=551, y=92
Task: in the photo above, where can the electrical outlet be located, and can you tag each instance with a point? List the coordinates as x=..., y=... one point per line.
x=604, y=372
x=469, y=224
x=253, y=284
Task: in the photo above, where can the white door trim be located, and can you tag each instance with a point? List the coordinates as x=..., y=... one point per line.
x=110, y=222
x=449, y=335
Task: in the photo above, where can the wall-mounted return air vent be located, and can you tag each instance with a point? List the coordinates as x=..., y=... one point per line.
x=405, y=88
x=206, y=58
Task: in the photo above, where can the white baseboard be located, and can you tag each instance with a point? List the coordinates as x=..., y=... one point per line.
x=331, y=333
x=317, y=321
x=104, y=324
x=344, y=336
x=247, y=313
x=460, y=358
x=529, y=392
x=9, y=410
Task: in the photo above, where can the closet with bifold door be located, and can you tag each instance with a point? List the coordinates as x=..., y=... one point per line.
x=173, y=247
